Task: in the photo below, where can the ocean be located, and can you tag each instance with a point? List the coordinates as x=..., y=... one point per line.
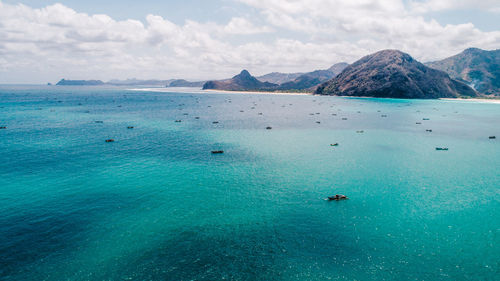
x=156, y=204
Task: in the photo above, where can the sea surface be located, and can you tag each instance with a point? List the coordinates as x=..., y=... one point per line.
x=156, y=204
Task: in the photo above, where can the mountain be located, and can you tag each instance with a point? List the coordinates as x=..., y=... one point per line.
x=478, y=68
x=311, y=79
x=137, y=82
x=185, y=83
x=241, y=82
x=393, y=74
x=278, y=77
x=65, y=82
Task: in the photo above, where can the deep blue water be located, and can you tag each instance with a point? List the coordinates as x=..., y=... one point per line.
x=157, y=205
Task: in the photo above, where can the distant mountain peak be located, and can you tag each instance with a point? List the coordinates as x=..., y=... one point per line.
x=473, y=50
x=241, y=82
x=478, y=68
x=244, y=73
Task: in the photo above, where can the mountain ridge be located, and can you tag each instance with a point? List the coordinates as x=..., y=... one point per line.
x=393, y=74
x=476, y=67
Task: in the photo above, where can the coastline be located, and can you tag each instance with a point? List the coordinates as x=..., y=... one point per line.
x=495, y=101
x=260, y=93
x=200, y=91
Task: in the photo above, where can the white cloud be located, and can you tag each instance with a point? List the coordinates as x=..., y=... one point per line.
x=286, y=35
x=384, y=23
x=243, y=26
x=424, y=6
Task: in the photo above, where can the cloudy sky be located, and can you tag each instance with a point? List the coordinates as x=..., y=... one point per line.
x=44, y=41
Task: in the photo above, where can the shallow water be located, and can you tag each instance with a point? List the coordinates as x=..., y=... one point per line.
x=157, y=205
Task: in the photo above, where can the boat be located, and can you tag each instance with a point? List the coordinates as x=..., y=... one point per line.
x=130, y=127
x=178, y=121
x=269, y=128
x=109, y=140
x=337, y=197
x=3, y=128
x=491, y=137
x=334, y=144
x=217, y=151
x=441, y=148
x=430, y=131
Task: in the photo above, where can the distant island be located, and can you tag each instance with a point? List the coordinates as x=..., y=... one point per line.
x=185, y=83
x=65, y=82
x=394, y=74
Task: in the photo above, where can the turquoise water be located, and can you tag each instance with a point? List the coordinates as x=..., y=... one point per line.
x=157, y=205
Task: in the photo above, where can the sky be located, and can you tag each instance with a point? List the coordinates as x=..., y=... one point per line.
x=45, y=41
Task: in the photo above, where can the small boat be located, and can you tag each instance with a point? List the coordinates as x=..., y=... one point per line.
x=360, y=132
x=109, y=140
x=317, y=122
x=197, y=117
x=426, y=119
x=130, y=127
x=99, y=122
x=3, y=128
x=269, y=128
x=442, y=148
x=215, y=122
x=430, y=131
x=337, y=197
x=419, y=123
x=217, y=151
x=178, y=121
x=334, y=144
x=491, y=137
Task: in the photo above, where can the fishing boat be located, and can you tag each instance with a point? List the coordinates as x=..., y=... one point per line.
x=337, y=197
x=441, y=148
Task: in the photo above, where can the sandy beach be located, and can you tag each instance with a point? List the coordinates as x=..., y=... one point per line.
x=497, y=101
x=200, y=91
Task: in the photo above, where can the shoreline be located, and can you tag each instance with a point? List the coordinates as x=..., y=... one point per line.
x=212, y=91
x=201, y=91
x=495, y=101
x=260, y=92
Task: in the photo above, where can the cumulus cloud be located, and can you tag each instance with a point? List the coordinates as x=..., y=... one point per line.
x=424, y=6
x=385, y=24
x=285, y=35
